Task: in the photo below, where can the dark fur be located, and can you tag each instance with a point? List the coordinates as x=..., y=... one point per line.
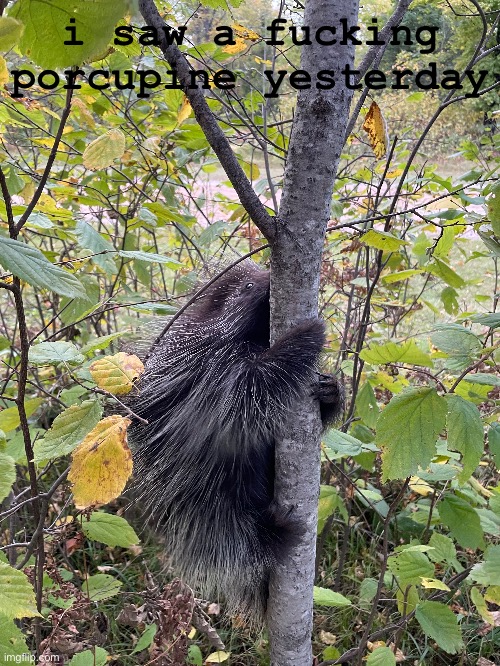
x=216, y=397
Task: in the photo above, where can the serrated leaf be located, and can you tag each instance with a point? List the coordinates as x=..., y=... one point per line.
x=30, y=265
x=443, y=550
x=440, y=623
x=102, y=464
x=459, y=343
x=46, y=353
x=97, y=656
x=109, y=529
x=491, y=319
x=410, y=567
x=324, y=597
x=103, y=151
x=12, y=642
x=375, y=126
x=185, y=111
x=487, y=572
x=407, y=431
x=381, y=656
x=340, y=444
x=68, y=430
x=462, y=521
x=45, y=21
x=101, y=586
x=7, y=475
x=465, y=433
x=9, y=418
x=117, y=373
x=381, y=240
x=396, y=352
x=17, y=594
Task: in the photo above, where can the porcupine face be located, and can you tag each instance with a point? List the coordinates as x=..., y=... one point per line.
x=238, y=303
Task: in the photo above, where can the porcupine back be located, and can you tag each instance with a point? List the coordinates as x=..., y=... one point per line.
x=215, y=396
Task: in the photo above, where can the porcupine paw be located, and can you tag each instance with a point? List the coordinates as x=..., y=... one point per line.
x=330, y=393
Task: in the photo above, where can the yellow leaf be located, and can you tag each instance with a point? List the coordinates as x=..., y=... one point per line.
x=102, y=464
x=260, y=61
x=184, y=111
x=83, y=111
x=420, y=487
x=376, y=128
x=104, y=150
x=245, y=33
x=238, y=47
x=217, y=657
x=117, y=373
x=434, y=584
x=4, y=72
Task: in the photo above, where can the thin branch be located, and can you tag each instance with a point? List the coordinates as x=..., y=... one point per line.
x=213, y=133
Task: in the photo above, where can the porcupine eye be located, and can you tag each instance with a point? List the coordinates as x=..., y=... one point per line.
x=249, y=285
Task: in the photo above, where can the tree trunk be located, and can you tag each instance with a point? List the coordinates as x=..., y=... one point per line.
x=316, y=142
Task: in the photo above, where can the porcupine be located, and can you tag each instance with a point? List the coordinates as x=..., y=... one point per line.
x=215, y=395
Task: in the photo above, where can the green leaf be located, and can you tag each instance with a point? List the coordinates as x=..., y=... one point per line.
x=329, y=502
x=447, y=274
x=17, y=594
x=30, y=265
x=68, y=430
x=97, y=656
x=401, y=275
x=396, y=352
x=324, y=597
x=462, y=521
x=407, y=430
x=459, y=343
x=109, y=529
x=101, y=586
x=146, y=639
x=10, y=32
x=492, y=319
x=493, y=442
x=443, y=551
x=9, y=418
x=46, y=353
x=381, y=656
x=440, y=623
x=100, y=343
x=366, y=405
x=92, y=240
x=194, y=656
x=367, y=591
x=7, y=475
x=465, y=433
x=103, y=151
x=483, y=378
x=407, y=599
x=340, y=444
x=410, y=566
x=45, y=22
x=12, y=643
x=381, y=240
x=487, y=572
x=150, y=257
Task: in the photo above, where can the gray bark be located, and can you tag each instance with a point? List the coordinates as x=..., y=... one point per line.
x=315, y=145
